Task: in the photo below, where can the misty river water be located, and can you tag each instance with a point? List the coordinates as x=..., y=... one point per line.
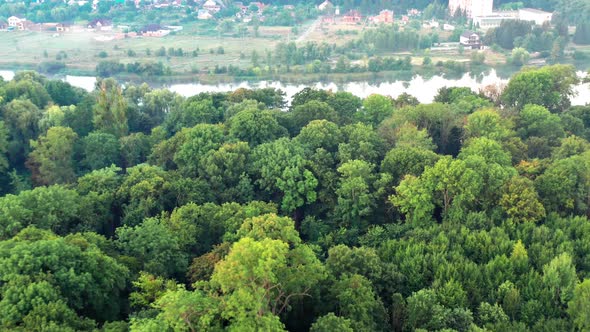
x=419, y=87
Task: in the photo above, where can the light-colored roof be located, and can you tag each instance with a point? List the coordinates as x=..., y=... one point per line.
x=534, y=11
x=468, y=34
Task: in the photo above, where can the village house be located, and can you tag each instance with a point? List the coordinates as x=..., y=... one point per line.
x=384, y=17
x=326, y=5
x=211, y=6
x=352, y=17
x=24, y=25
x=414, y=12
x=100, y=25
x=16, y=22
x=204, y=14
x=78, y=3
x=259, y=5
x=432, y=24
x=45, y=26
x=470, y=39
x=154, y=30
x=63, y=27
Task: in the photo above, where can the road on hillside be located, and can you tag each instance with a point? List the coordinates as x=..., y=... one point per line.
x=309, y=30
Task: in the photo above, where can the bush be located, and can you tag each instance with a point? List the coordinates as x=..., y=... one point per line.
x=61, y=55
x=478, y=58
x=109, y=68
x=102, y=54
x=51, y=67
x=161, y=51
x=519, y=56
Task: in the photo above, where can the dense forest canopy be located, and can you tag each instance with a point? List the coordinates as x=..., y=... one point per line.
x=137, y=209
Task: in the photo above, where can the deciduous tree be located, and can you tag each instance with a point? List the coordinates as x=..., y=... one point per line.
x=51, y=160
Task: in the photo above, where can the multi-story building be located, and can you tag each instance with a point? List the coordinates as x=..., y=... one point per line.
x=494, y=19
x=471, y=8
x=538, y=16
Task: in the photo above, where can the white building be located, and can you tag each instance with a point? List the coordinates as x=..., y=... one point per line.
x=14, y=21
x=538, y=16
x=211, y=6
x=470, y=39
x=527, y=14
x=204, y=14
x=326, y=5
x=494, y=20
x=471, y=8
x=432, y=24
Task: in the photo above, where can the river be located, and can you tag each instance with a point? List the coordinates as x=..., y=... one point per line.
x=423, y=89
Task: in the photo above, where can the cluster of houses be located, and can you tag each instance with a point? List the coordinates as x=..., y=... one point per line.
x=246, y=13
x=332, y=15
x=15, y=23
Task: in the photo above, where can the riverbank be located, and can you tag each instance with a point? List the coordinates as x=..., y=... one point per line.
x=504, y=71
x=422, y=87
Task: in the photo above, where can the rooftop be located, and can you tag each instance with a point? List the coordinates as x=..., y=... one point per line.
x=502, y=14
x=533, y=10
x=468, y=34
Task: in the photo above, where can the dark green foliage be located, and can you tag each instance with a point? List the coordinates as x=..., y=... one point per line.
x=582, y=35
x=71, y=273
x=154, y=212
x=508, y=31
x=101, y=150
x=548, y=86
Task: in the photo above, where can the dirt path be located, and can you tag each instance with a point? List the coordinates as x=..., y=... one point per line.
x=309, y=30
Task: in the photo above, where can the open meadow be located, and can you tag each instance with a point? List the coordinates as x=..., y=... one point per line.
x=82, y=49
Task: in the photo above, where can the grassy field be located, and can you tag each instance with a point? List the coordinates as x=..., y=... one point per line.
x=27, y=48
x=20, y=50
